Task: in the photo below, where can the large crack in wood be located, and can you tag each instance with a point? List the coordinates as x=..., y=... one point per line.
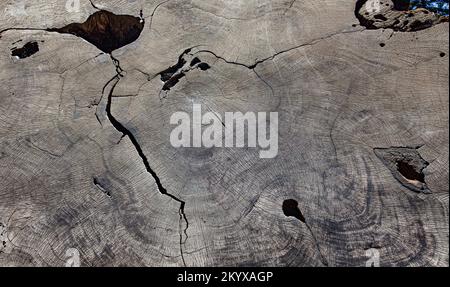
x=127, y=133
x=109, y=32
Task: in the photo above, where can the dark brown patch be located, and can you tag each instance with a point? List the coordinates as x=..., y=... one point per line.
x=172, y=81
x=105, y=30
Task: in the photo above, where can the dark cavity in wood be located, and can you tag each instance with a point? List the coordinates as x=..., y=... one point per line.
x=409, y=171
x=195, y=61
x=406, y=165
x=101, y=185
x=169, y=72
x=105, y=30
x=395, y=17
x=290, y=208
x=26, y=51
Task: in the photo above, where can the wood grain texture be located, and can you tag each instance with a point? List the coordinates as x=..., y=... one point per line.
x=86, y=161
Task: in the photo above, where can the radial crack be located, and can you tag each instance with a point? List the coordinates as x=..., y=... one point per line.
x=273, y=56
x=127, y=133
x=290, y=208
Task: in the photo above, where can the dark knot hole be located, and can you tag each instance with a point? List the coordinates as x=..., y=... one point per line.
x=290, y=208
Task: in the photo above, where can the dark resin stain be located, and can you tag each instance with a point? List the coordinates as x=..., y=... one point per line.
x=290, y=208
x=409, y=172
x=26, y=51
x=105, y=30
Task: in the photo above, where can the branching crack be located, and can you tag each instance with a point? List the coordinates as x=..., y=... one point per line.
x=292, y=4
x=272, y=57
x=21, y=29
x=127, y=133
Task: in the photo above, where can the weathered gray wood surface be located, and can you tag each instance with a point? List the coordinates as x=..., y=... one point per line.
x=69, y=180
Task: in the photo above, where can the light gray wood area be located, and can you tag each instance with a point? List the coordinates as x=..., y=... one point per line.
x=86, y=161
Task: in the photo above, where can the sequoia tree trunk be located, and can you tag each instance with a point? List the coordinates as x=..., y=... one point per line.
x=86, y=161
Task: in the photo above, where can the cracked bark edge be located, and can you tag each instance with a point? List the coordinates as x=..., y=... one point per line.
x=97, y=182
x=397, y=19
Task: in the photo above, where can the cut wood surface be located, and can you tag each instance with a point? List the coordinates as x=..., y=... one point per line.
x=86, y=163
